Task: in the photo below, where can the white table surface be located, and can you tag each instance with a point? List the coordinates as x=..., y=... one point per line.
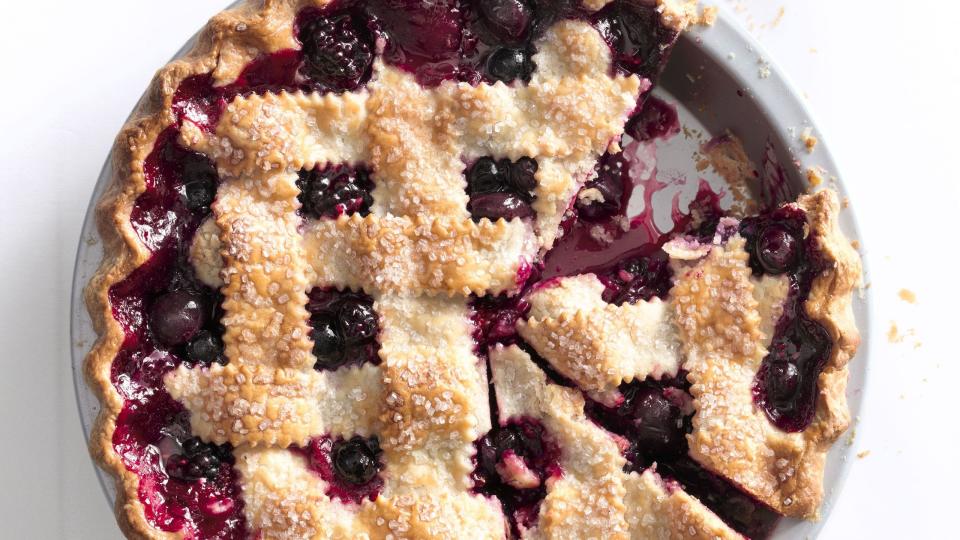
x=878, y=77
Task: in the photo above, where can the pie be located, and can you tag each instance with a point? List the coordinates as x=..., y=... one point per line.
x=341, y=294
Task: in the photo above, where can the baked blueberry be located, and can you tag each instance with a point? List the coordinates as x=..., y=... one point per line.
x=177, y=316
x=357, y=460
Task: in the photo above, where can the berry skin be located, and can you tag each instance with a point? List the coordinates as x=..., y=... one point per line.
x=358, y=323
x=199, y=182
x=783, y=381
x=522, y=175
x=176, y=317
x=334, y=191
x=777, y=250
x=356, y=461
x=327, y=343
x=205, y=348
x=494, y=206
x=485, y=176
x=507, y=64
x=507, y=19
x=656, y=423
x=337, y=52
x=198, y=460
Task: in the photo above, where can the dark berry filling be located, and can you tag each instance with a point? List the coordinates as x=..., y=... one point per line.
x=637, y=279
x=513, y=463
x=607, y=190
x=655, y=119
x=335, y=190
x=654, y=417
x=198, y=460
x=501, y=189
x=508, y=20
x=337, y=50
x=509, y=63
x=786, y=384
x=344, y=328
x=350, y=467
x=168, y=318
x=639, y=42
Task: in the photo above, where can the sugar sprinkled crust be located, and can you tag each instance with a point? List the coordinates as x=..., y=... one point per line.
x=594, y=498
x=596, y=344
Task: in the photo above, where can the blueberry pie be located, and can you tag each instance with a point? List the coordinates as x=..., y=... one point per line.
x=369, y=273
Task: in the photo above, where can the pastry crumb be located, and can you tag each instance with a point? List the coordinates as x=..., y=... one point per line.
x=708, y=16
x=863, y=454
x=815, y=176
x=808, y=140
x=907, y=296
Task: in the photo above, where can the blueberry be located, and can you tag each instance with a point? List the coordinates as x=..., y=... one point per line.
x=783, y=381
x=356, y=461
x=522, y=175
x=508, y=19
x=176, y=317
x=657, y=423
x=337, y=52
x=507, y=64
x=494, y=206
x=205, y=348
x=485, y=176
x=357, y=322
x=777, y=249
x=609, y=184
x=327, y=341
x=199, y=182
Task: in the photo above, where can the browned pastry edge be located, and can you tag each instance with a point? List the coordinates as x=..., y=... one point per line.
x=830, y=304
x=230, y=39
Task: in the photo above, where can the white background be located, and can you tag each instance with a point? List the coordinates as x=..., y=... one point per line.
x=880, y=76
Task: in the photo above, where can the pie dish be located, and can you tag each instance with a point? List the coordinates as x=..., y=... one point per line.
x=328, y=306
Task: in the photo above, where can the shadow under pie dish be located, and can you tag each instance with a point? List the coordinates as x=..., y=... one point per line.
x=325, y=306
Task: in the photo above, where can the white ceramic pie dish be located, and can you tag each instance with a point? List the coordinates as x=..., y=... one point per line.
x=714, y=78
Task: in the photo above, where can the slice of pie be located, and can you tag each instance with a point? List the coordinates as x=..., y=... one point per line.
x=331, y=306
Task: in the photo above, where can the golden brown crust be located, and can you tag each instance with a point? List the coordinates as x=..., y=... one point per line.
x=599, y=345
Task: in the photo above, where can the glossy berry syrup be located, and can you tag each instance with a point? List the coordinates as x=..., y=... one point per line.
x=170, y=318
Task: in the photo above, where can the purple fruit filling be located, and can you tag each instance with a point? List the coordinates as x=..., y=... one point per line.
x=169, y=318
x=513, y=463
x=344, y=328
x=350, y=467
x=501, y=189
x=632, y=29
x=786, y=384
x=654, y=418
x=334, y=191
